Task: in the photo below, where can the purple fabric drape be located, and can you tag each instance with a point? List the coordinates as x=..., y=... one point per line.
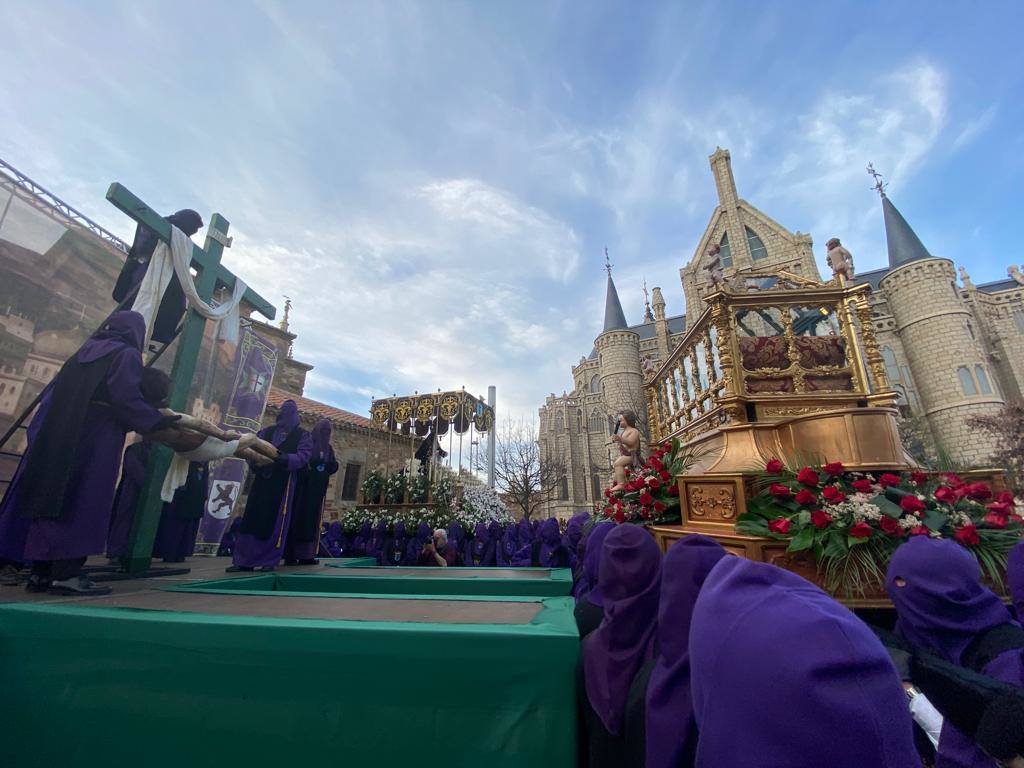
x=589, y=588
x=783, y=675
x=671, y=729
x=629, y=576
x=1015, y=577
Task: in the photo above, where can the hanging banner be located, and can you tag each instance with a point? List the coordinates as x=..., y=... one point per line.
x=255, y=361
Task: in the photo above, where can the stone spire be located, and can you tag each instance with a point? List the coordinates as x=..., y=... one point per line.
x=903, y=243
x=614, y=317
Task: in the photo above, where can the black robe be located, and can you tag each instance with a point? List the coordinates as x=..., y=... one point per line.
x=310, y=491
x=269, y=485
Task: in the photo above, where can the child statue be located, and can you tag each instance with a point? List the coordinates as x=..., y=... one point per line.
x=629, y=447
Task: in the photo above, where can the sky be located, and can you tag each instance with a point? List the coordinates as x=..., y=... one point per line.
x=434, y=184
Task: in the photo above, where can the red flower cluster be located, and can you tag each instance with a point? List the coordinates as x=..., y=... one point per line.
x=650, y=490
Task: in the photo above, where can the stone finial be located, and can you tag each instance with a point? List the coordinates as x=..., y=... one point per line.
x=283, y=325
x=839, y=259
x=1014, y=272
x=965, y=278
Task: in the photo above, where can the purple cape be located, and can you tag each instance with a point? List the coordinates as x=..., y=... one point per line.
x=589, y=588
x=629, y=577
x=1015, y=576
x=943, y=606
x=783, y=675
x=671, y=730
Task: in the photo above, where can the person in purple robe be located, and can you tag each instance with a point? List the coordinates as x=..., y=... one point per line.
x=65, y=482
x=417, y=542
x=126, y=499
x=1015, y=578
x=337, y=541
x=268, y=510
x=310, y=493
x=573, y=534
x=479, y=551
x=611, y=656
x=783, y=675
x=507, y=546
x=397, y=544
x=524, y=532
x=588, y=596
x=179, y=521
x=457, y=536
x=943, y=607
x=361, y=539
x=669, y=732
x=378, y=538
x=546, y=550
x=172, y=305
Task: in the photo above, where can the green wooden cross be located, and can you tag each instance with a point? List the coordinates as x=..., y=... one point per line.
x=206, y=262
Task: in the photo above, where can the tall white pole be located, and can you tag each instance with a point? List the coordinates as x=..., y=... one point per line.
x=492, y=438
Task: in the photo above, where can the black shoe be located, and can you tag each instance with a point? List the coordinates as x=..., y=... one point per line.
x=77, y=585
x=37, y=583
x=238, y=569
x=293, y=562
x=309, y=561
x=265, y=569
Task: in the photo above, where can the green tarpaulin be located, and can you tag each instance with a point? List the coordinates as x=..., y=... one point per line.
x=439, y=681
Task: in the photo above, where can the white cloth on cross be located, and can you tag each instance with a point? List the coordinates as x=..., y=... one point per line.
x=177, y=260
x=177, y=474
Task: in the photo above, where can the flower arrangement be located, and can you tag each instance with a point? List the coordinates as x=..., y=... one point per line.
x=373, y=486
x=480, y=504
x=651, y=494
x=852, y=522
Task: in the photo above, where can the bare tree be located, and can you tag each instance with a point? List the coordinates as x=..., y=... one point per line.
x=520, y=472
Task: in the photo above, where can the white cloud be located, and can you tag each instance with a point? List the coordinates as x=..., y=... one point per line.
x=974, y=127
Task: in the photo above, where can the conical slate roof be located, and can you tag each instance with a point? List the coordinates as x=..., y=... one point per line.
x=614, y=317
x=904, y=244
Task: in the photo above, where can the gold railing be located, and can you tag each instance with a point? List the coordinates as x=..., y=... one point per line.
x=767, y=354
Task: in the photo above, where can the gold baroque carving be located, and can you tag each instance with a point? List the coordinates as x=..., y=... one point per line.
x=794, y=410
x=712, y=502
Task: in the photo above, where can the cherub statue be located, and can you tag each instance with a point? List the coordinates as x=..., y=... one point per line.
x=965, y=278
x=647, y=366
x=1015, y=273
x=628, y=441
x=714, y=267
x=839, y=259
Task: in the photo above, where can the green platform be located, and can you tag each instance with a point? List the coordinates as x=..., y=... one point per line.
x=538, y=582
x=349, y=562
x=203, y=679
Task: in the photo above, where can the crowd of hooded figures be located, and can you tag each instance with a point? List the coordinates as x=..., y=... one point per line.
x=700, y=658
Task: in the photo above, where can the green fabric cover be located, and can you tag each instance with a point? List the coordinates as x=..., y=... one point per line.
x=120, y=687
x=558, y=584
x=349, y=562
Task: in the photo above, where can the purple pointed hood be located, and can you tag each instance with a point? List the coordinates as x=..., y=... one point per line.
x=122, y=329
x=321, y=438
x=1015, y=577
x=287, y=420
x=671, y=728
x=629, y=576
x=942, y=605
x=589, y=587
x=783, y=674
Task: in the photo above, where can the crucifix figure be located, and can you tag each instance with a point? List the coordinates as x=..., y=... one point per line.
x=211, y=274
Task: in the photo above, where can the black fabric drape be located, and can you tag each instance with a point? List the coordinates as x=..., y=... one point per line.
x=267, y=493
x=190, y=500
x=310, y=491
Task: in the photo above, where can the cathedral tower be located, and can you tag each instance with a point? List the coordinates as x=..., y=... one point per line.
x=618, y=350
x=937, y=331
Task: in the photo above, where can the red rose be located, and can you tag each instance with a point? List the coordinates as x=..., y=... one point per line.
x=806, y=498
x=673, y=490
x=911, y=504
x=863, y=485
x=952, y=479
x=1005, y=497
x=659, y=506
x=993, y=520
x=655, y=464
x=968, y=535
x=645, y=513
x=946, y=495
x=620, y=516
x=890, y=526
x=832, y=494
x=807, y=476
x=888, y=479
x=665, y=475
x=779, y=525
x=608, y=511
x=646, y=499
x=1000, y=507
x=920, y=530
x=979, y=491
x=833, y=468
x=918, y=478
x=773, y=467
x=860, y=531
x=654, y=483
x=820, y=518
x=779, y=490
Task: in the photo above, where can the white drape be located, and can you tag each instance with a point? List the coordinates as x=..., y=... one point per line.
x=176, y=260
x=177, y=474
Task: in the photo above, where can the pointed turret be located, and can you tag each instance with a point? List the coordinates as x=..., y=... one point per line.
x=614, y=317
x=904, y=244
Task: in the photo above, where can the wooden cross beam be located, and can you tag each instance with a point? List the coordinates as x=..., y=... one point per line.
x=211, y=273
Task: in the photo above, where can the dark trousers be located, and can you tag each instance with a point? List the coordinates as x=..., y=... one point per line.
x=58, y=570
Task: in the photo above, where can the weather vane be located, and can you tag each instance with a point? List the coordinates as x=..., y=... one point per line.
x=607, y=262
x=283, y=325
x=879, y=184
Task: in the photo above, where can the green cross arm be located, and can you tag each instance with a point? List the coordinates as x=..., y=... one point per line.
x=128, y=203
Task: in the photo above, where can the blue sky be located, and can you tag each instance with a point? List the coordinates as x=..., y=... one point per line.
x=434, y=183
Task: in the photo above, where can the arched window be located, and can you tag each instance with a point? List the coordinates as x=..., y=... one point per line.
x=725, y=252
x=595, y=384
x=966, y=381
x=595, y=421
x=579, y=421
x=986, y=388
x=757, y=249
x=1018, y=318
x=559, y=423
x=595, y=487
x=892, y=370
x=563, y=489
